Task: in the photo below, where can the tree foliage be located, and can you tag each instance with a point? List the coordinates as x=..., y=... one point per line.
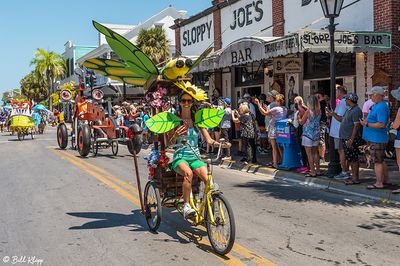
x=49, y=66
x=34, y=87
x=154, y=43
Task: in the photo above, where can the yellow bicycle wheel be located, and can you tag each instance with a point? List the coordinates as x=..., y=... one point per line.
x=220, y=224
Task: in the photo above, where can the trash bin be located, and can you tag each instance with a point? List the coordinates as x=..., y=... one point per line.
x=286, y=137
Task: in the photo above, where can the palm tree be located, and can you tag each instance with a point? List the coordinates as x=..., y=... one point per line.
x=154, y=43
x=49, y=66
x=34, y=87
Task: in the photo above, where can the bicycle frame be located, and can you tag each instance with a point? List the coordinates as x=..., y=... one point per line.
x=207, y=199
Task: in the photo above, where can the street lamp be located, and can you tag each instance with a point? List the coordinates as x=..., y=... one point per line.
x=331, y=9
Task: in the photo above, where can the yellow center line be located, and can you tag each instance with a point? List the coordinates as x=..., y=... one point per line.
x=104, y=172
x=94, y=171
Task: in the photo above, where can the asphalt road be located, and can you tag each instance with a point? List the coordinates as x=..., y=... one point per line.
x=60, y=209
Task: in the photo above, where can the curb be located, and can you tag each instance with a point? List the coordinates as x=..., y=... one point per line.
x=320, y=182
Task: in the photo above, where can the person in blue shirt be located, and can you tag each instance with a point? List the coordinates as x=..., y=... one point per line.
x=375, y=132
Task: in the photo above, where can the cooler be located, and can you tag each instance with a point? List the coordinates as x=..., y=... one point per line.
x=286, y=137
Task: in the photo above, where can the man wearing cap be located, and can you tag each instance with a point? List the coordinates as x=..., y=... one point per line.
x=376, y=133
x=350, y=135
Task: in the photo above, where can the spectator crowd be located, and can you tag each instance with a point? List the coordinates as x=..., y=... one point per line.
x=253, y=126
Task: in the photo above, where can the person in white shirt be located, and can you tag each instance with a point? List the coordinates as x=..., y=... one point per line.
x=367, y=106
x=340, y=110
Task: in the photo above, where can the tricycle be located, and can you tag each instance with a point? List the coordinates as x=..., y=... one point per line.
x=93, y=128
x=201, y=202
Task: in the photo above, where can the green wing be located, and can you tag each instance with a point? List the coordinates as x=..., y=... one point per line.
x=208, y=118
x=201, y=57
x=163, y=122
x=128, y=52
x=115, y=70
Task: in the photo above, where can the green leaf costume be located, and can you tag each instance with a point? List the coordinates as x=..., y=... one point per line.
x=208, y=118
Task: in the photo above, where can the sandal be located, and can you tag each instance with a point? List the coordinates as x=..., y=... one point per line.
x=310, y=175
x=370, y=187
x=352, y=182
x=321, y=174
x=397, y=191
x=270, y=164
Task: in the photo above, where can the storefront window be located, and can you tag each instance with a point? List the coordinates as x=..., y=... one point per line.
x=317, y=66
x=250, y=74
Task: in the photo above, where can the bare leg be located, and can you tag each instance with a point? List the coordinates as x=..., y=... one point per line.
x=385, y=173
x=316, y=159
x=321, y=150
x=343, y=163
x=379, y=174
x=355, y=167
x=310, y=156
x=275, y=152
x=184, y=170
x=398, y=157
x=202, y=173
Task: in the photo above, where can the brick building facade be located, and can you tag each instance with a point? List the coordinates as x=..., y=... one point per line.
x=281, y=18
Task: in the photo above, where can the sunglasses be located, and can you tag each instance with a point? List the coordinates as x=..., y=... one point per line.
x=186, y=101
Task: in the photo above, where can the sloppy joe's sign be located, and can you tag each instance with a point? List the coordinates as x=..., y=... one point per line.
x=197, y=36
x=319, y=41
x=245, y=18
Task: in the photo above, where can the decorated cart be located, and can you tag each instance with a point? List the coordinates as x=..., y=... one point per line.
x=93, y=127
x=21, y=119
x=164, y=187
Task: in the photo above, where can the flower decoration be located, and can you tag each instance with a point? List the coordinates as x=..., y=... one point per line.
x=157, y=99
x=191, y=89
x=156, y=159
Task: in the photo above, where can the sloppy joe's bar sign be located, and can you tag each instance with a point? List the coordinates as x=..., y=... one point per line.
x=197, y=36
x=345, y=42
x=245, y=18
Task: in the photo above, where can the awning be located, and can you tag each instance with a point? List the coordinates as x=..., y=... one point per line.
x=282, y=46
x=250, y=49
x=243, y=51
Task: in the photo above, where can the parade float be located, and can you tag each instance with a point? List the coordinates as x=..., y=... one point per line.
x=164, y=188
x=21, y=119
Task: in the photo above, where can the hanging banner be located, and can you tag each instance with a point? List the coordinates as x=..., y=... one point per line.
x=282, y=46
x=345, y=42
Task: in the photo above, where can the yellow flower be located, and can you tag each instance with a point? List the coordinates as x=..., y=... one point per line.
x=191, y=89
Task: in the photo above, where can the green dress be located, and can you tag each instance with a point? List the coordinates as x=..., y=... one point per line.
x=189, y=155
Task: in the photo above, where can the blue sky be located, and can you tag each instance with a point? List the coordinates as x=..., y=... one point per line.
x=48, y=24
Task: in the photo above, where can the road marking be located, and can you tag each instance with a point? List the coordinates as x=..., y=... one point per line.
x=104, y=172
x=95, y=171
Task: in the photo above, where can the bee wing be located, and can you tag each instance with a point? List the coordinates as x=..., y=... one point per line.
x=115, y=70
x=130, y=53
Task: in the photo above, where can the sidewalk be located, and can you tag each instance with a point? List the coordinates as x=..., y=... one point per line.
x=367, y=176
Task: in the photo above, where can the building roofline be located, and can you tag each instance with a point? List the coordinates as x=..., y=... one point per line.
x=205, y=12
